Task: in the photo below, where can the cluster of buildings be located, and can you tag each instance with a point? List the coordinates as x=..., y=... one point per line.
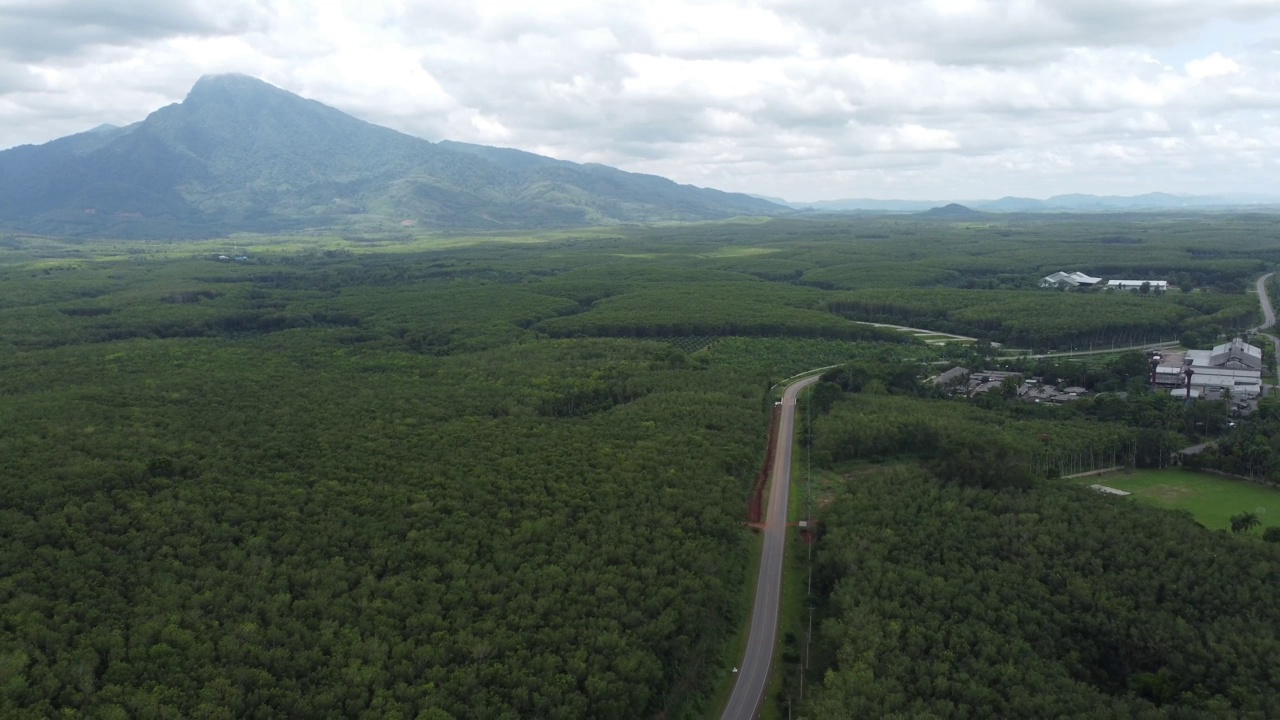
x=962, y=381
x=1231, y=371
x=1079, y=279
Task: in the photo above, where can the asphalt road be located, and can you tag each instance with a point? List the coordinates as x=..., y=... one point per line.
x=1268, y=316
x=753, y=671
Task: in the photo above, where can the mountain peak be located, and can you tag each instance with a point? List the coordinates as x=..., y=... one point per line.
x=953, y=211
x=230, y=81
x=239, y=154
x=233, y=87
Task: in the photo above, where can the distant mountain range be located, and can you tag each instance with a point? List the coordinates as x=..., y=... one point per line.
x=241, y=155
x=1057, y=203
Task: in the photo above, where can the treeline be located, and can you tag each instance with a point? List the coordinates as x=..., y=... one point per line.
x=1251, y=449
x=941, y=599
x=876, y=427
x=1050, y=320
x=721, y=309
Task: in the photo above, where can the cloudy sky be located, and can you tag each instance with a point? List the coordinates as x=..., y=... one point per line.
x=803, y=99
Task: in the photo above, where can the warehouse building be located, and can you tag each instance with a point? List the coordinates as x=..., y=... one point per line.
x=1071, y=279
x=1234, y=367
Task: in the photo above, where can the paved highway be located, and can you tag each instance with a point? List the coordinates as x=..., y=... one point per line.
x=753, y=672
x=1268, y=316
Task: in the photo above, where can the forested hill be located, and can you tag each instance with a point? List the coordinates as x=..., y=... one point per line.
x=241, y=155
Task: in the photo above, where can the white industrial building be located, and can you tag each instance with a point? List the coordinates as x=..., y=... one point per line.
x=1235, y=366
x=1071, y=279
x=1079, y=279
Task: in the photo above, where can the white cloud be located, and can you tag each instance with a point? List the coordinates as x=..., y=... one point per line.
x=799, y=98
x=1214, y=65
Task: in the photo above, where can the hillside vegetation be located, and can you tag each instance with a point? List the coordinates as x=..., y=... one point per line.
x=240, y=155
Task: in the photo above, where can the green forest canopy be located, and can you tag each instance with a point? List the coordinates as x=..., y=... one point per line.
x=404, y=477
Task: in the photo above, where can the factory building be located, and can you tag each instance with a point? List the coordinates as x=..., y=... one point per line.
x=1234, y=367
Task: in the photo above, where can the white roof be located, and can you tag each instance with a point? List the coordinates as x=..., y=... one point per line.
x=1198, y=358
x=1225, y=378
x=1075, y=278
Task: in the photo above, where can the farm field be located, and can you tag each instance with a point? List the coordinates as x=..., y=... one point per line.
x=1211, y=499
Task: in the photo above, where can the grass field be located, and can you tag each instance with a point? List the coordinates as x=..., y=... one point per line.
x=1210, y=498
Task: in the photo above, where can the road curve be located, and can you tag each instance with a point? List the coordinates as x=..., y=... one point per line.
x=1268, y=314
x=753, y=672
x=1268, y=317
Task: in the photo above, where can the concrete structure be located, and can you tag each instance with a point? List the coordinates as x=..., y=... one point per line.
x=1109, y=490
x=1071, y=279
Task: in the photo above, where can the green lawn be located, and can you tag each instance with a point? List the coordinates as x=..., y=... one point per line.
x=1210, y=498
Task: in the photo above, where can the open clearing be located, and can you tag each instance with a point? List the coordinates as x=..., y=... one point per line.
x=1210, y=498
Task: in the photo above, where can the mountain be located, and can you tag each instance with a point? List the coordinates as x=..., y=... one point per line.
x=855, y=204
x=1075, y=203
x=776, y=200
x=241, y=155
x=953, y=211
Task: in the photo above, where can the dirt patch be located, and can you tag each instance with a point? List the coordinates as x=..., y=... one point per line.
x=755, y=506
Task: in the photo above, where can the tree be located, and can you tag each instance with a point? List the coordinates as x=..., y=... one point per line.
x=1272, y=534
x=1244, y=522
x=981, y=462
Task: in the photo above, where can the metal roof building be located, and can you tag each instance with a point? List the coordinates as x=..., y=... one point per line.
x=1236, y=354
x=1073, y=279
